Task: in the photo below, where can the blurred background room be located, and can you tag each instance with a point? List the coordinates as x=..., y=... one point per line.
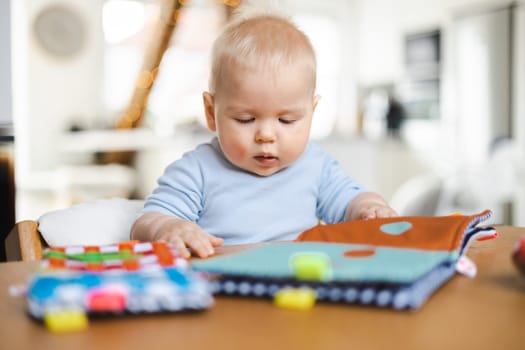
x=421, y=100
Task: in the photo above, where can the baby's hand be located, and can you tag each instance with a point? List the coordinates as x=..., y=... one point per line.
x=369, y=205
x=374, y=210
x=183, y=234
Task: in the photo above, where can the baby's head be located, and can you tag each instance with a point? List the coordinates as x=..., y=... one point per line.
x=259, y=41
x=261, y=95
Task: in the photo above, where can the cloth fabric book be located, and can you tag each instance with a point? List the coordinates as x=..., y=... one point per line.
x=125, y=278
x=387, y=262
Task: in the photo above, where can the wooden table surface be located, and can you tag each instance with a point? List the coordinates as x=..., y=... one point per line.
x=486, y=312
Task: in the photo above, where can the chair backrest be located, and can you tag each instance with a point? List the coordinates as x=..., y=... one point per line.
x=24, y=242
x=97, y=222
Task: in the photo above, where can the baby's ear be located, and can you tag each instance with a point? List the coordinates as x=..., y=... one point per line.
x=209, y=110
x=316, y=101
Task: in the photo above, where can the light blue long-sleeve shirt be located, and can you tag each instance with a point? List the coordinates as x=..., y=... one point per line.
x=241, y=207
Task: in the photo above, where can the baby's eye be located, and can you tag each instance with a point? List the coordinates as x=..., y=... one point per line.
x=244, y=120
x=286, y=121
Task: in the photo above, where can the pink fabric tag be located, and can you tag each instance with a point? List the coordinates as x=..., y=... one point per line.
x=466, y=267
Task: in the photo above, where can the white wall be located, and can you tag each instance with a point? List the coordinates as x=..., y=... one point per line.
x=5, y=63
x=519, y=111
x=343, y=65
x=51, y=92
x=382, y=24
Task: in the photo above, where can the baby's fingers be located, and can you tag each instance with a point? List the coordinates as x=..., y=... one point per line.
x=180, y=247
x=366, y=213
x=386, y=212
x=215, y=241
x=201, y=245
x=377, y=212
x=185, y=246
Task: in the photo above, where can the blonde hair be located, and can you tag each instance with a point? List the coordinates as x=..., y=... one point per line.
x=253, y=39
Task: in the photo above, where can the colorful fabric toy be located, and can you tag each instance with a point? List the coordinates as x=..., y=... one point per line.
x=387, y=262
x=127, y=278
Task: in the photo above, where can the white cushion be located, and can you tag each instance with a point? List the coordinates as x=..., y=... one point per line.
x=97, y=222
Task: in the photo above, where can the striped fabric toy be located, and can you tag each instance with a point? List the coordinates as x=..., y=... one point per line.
x=130, y=255
x=133, y=277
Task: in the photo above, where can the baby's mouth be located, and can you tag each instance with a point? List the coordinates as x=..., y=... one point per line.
x=266, y=158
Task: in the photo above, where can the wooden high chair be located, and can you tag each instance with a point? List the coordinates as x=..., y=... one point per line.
x=24, y=242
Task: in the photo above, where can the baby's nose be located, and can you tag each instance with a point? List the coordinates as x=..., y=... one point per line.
x=265, y=133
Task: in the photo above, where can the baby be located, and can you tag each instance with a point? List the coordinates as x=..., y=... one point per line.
x=259, y=179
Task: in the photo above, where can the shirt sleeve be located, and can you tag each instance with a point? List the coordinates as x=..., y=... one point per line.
x=336, y=191
x=179, y=191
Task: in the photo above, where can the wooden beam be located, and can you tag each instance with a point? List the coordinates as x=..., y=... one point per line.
x=169, y=13
x=168, y=18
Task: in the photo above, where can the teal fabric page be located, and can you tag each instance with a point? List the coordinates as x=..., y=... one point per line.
x=381, y=264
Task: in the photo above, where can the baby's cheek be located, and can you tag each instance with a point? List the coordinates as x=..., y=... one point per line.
x=240, y=151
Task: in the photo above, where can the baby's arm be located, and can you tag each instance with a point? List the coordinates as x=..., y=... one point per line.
x=183, y=234
x=369, y=205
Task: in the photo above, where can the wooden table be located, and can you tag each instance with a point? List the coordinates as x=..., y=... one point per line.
x=487, y=312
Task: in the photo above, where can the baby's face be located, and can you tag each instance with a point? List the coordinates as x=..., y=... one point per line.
x=262, y=119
